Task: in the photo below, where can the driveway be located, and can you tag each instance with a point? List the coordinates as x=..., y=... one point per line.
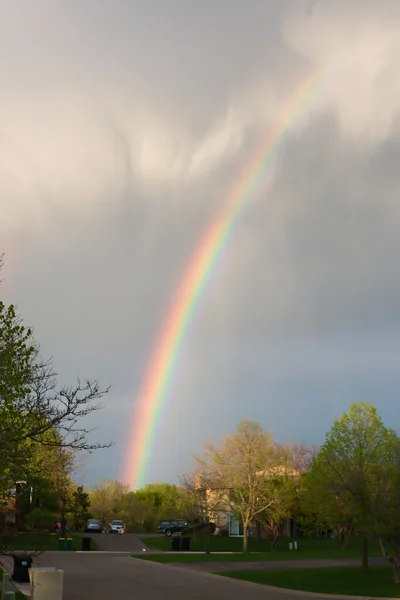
x=129, y=542
x=112, y=576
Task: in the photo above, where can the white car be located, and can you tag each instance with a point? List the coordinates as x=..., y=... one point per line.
x=116, y=526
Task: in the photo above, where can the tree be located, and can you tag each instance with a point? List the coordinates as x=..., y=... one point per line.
x=236, y=474
x=387, y=503
x=48, y=473
x=326, y=511
x=281, y=492
x=299, y=457
x=166, y=499
x=106, y=499
x=161, y=501
x=17, y=353
x=347, y=473
x=80, y=507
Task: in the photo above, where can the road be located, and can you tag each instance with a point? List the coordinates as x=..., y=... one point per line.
x=129, y=542
x=111, y=576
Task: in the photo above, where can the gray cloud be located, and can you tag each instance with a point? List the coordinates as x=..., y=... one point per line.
x=123, y=127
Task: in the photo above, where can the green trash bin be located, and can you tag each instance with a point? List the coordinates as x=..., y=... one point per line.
x=61, y=543
x=69, y=543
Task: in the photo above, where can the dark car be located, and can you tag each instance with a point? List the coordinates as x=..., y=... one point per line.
x=172, y=526
x=162, y=525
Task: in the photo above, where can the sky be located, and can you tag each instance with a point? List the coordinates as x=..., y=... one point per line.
x=122, y=126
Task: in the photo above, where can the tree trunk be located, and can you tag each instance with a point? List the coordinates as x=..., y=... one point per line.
x=393, y=560
x=396, y=571
x=258, y=531
x=343, y=542
x=364, y=560
x=63, y=522
x=343, y=539
x=245, y=527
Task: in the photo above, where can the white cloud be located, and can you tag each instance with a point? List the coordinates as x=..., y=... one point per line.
x=359, y=47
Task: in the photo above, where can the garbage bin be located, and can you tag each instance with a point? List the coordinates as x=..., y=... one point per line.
x=61, y=543
x=86, y=544
x=175, y=543
x=186, y=544
x=69, y=543
x=22, y=562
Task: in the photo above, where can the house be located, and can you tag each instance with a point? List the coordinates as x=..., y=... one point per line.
x=222, y=515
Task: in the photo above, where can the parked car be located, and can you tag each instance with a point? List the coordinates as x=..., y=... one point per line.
x=172, y=526
x=116, y=525
x=94, y=526
x=162, y=525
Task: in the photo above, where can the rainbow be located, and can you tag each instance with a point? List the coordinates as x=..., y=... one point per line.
x=163, y=361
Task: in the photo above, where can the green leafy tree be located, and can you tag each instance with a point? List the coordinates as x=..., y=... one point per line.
x=40, y=517
x=80, y=507
x=48, y=474
x=387, y=502
x=158, y=501
x=17, y=352
x=106, y=500
x=347, y=473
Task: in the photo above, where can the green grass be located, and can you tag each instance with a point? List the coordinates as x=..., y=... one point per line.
x=307, y=548
x=334, y=580
x=40, y=542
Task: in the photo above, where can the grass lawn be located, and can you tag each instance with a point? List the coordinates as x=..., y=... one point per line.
x=40, y=542
x=307, y=548
x=335, y=580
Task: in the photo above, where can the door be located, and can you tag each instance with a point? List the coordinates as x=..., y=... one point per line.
x=235, y=527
